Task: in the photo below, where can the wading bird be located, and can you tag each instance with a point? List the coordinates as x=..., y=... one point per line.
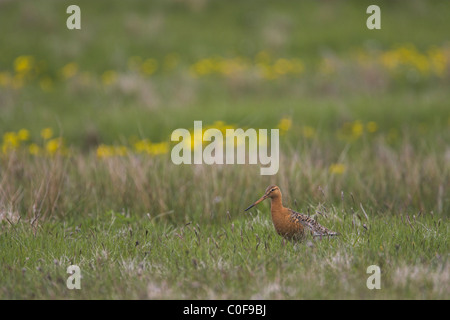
x=287, y=222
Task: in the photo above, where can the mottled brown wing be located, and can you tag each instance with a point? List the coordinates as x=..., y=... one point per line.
x=311, y=224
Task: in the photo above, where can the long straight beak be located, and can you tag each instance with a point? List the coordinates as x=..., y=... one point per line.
x=257, y=201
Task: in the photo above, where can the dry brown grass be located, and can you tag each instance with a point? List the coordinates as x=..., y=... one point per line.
x=408, y=178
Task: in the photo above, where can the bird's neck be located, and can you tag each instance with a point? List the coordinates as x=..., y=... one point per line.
x=276, y=204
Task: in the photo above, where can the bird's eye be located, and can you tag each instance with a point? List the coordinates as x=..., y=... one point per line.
x=273, y=189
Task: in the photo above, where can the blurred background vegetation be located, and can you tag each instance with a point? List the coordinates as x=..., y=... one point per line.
x=365, y=111
x=143, y=68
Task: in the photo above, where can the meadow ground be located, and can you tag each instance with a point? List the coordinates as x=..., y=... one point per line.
x=85, y=171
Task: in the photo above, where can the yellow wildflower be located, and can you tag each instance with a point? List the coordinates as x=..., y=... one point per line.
x=297, y=66
x=23, y=134
x=69, y=70
x=230, y=66
x=390, y=60
x=284, y=125
x=308, y=132
x=282, y=66
x=10, y=142
x=11, y=138
x=267, y=72
x=357, y=129
x=34, y=149
x=159, y=148
x=120, y=150
x=149, y=66
x=142, y=145
x=105, y=151
x=54, y=145
x=337, y=168
x=146, y=146
x=202, y=67
x=46, y=133
x=288, y=66
x=23, y=64
x=109, y=77
x=438, y=61
x=263, y=57
x=372, y=126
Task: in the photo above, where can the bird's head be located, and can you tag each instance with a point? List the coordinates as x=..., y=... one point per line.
x=271, y=192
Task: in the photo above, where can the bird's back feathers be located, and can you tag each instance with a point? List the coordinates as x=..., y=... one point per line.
x=310, y=224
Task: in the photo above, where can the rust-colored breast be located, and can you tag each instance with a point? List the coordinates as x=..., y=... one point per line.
x=285, y=225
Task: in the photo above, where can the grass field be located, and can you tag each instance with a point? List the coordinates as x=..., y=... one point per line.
x=86, y=176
